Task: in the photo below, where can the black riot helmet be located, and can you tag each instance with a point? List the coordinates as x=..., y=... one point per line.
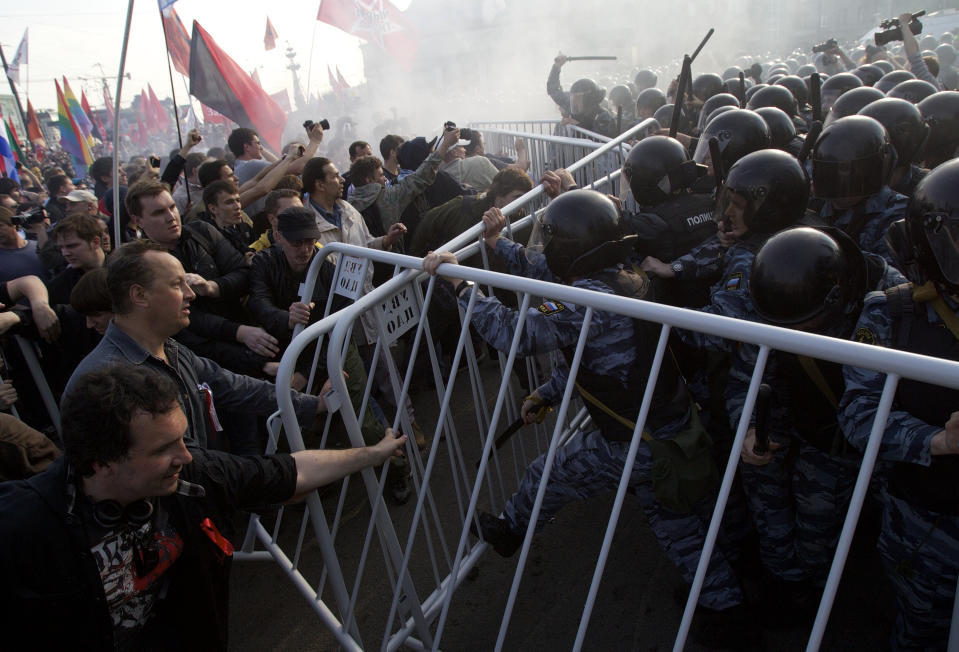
x=912, y=90
x=645, y=79
x=941, y=112
x=946, y=54
x=713, y=103
x=584, y=97
x=658, y=166
x=904, y=124
x=706, y=85
x=798, y=88
x=782, y=130
x=932, y=227
x=805, y=274
x=885, y=66
x=774, y=187
x=869, y=74
x=732, y=73
x=928, y=42
x=891, y=79
x=732, y=86
x=664, y=116
x=619, y=96
x=850, y=102
x=649, y=101
x=755, y=88
x=852, y=158
x=835, y=86
x=579, y=233
x=777, y=96
x=805, y=70
x=739, y=132
x=949, y=78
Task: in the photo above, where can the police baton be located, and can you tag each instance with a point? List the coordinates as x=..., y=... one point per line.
x=742, y=91
x=702, y=44
x=619, y=119
x=592, y=58
x=762, y=419
x=815, y=96
x=684, y=75
x=814, y=130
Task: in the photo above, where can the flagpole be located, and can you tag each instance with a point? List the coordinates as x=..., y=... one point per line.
x=116, y=129
x=13, y=87
x=169, y=68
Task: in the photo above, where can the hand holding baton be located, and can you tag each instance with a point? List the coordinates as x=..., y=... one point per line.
x=762, y=419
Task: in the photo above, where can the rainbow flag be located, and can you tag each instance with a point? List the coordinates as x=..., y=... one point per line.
x=86, y=127
x=14, y=142
x=72, y=139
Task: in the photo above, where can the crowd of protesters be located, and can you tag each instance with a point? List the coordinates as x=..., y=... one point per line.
x=176, y=329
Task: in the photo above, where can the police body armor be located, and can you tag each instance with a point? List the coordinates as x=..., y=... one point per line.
x=670, y=397
x=934, y=487
x=815, y=387
x=685, y=221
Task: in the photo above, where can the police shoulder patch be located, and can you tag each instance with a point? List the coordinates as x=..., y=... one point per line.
x=551, y=307
x=735, y=281
x=865, y=336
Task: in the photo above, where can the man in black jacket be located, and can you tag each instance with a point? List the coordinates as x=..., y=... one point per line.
x=276, y=276
x=217, y=273
x=118, y=544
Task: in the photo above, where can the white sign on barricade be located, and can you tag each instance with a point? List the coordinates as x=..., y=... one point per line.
x=399, y=313
x=351, y=277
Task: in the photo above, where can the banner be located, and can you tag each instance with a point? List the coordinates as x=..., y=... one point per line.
x=19, y=58
x=72, y=138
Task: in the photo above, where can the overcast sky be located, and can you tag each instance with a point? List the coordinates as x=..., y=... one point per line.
x=71, y=38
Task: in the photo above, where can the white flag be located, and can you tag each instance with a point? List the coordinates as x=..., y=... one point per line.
x=20, y=57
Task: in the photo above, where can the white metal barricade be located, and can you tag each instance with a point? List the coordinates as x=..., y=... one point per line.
x=421, y=597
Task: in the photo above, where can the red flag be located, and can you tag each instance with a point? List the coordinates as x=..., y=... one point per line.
x=159, y=114
x=109, y=102
x=177, y=41
x=97, y=129
x=141, y=133
x=213, y=116
x=339, y=77
x=334, y=82
x=33, y=127
x=269, y=39
x=218, y=81
x=379, y=22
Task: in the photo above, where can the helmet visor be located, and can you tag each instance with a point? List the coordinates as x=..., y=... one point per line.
x=942, y=232
x=538, y=239
x=841, y=179
x=577, y=103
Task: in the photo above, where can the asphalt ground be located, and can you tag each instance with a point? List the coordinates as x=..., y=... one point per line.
x=636, y=607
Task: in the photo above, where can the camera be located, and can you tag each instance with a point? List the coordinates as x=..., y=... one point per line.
x=323, y=123
x=154, y=161
x=33, y=216
x=831, y=44
x=465, y=132
x=892, y=30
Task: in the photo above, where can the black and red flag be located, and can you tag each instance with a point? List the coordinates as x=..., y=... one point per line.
x=220, y=83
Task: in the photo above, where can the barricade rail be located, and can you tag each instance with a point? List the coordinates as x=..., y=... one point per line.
x=561, y=147
x=421, y=596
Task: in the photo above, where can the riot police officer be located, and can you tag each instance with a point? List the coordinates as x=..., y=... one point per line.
x=920, y=533
x=852, y=162
x=672, y=220
x=579, y=241
x=582, y=104
x=908, y=134
x=798, y=490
